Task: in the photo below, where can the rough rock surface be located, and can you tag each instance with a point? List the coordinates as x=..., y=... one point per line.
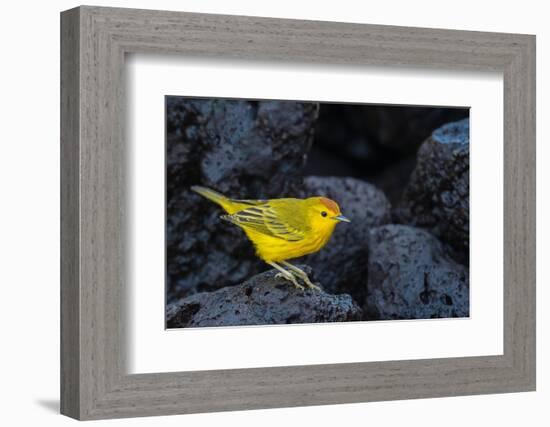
x=342, y=264
x=438, y=194
x=411, y=277
x=394, y=179
x=261, y=300
x=246, y=149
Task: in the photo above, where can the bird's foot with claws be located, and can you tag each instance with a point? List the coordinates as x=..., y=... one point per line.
x=290, y=278
x=310, y=284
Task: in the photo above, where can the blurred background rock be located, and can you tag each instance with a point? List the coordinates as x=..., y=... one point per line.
x=383, y=164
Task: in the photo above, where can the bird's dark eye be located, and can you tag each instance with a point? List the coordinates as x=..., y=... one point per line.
x=323, y=213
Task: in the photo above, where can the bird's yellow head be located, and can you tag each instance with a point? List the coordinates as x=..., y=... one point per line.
x=325, y=213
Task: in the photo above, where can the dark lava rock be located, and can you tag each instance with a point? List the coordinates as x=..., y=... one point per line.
x=245, y=149
x=394, y=179
x=438, y=194
x=411, y=277
x=261, y=300
x=342, y=264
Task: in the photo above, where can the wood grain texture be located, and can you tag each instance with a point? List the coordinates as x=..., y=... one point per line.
x=70, y=221
x=94, y=238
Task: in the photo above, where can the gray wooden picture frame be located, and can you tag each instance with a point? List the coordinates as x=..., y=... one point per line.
x=94, y=382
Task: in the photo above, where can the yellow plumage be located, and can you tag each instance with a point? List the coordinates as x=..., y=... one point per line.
x=282, y=229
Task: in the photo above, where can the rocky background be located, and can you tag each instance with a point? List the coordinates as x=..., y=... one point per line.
x=401, y=174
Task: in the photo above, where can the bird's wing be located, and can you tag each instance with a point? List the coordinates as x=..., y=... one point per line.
x=267, y=219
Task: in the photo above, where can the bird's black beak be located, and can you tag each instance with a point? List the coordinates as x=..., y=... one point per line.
x=341, y=218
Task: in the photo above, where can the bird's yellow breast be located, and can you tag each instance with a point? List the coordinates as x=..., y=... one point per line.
x=274, y=249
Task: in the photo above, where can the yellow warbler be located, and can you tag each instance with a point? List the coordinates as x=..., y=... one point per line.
x=282, y=229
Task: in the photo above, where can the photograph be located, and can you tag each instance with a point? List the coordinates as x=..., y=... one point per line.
x=289, y=212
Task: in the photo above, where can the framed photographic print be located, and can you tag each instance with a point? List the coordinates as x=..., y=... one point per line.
x=262, y=213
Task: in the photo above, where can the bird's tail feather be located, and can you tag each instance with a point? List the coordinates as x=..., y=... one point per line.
x=229, y=205
x=210, y=194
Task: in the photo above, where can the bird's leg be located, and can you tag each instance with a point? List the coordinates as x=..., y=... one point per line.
x=301, y=274
x=285, y=274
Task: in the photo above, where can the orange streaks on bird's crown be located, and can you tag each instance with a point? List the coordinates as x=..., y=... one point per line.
x=330, y=204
